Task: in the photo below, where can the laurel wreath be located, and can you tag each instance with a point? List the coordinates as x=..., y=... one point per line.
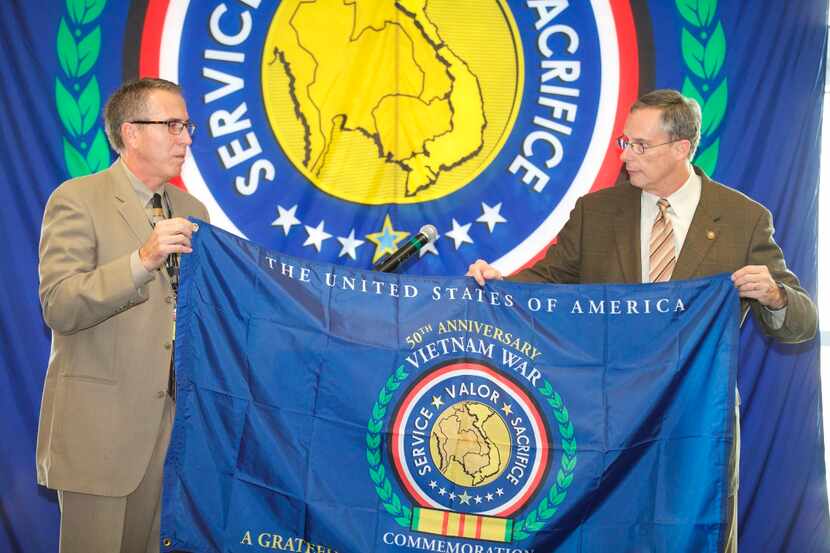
x=703, y=44
x=522, y=528
x=391, y=502
x=77, y=92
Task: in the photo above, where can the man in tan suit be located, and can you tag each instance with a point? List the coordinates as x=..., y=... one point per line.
x=612, y=234
x=107, y=295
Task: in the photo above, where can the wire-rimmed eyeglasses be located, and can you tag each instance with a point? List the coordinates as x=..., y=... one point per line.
x=640, y=148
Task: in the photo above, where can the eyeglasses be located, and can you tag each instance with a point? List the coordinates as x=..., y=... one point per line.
x=174, y=126
x=638, y=147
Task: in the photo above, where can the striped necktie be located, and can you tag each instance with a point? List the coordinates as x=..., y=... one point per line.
x=661, y=258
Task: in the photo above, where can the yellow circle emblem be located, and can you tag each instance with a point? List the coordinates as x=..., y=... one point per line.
x=470, y=444
x=391, y=101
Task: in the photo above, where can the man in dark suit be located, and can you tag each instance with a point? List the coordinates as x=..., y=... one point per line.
x=670, y=221
x=109, y=298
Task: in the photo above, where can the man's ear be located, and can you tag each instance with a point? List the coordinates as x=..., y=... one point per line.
x=128, y=133
x=682, y=148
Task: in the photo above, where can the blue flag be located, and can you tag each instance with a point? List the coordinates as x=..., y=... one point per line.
x=324, y=408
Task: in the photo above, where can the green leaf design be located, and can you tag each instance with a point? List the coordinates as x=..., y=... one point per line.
x=706, y=11
x=98, y=157
x=89, y=104
x=705, y=62
x=372, y=441
x=693, y=53
x=691, y=91
x=383, y=397
x=715, y=53
x=67, y=50
x=708, y=158
x=88, y=50
x=569, y=463
x=75, y=162
x=85, y=11
x=564, y=480
x=714, y=109
x=557, y=496
x=68, y=110
x=688, y=10
x=373, y=456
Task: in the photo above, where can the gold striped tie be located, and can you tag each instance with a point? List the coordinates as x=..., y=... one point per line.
x=661, y=258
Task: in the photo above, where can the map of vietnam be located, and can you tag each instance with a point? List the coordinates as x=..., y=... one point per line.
x=380, y=69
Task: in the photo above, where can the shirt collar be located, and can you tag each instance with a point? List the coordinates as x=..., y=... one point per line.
x=684, y=200
x=144, y=194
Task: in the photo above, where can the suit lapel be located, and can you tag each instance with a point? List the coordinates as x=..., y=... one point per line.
x=128, y=205
x=704, y=231
x=627, y=236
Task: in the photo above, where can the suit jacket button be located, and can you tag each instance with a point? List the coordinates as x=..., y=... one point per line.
x=160, y=394
x=167, y=345
x=168, y=299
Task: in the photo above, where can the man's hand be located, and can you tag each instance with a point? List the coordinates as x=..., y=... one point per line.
x=482, y=271
x=755, y=282
x=169, y=236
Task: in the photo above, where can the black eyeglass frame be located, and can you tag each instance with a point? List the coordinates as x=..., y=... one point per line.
x=172, y=125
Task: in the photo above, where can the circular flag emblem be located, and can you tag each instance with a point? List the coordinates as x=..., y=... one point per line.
x=468, y=438
x=335, y=129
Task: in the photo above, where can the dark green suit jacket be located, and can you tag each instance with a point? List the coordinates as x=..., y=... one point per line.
x=600, y=243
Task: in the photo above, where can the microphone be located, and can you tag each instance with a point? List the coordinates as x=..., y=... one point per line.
x=426, y=235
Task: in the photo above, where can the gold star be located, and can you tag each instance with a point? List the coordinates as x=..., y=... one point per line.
x=386, y=241
x=437, y=402
x=507, y=409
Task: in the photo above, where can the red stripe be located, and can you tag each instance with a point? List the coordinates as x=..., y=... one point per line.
x=149, y=52
x=478, y=526
x=460, y=525
x=444, y=523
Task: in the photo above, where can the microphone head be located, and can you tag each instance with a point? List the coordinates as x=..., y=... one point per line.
x=430, y=232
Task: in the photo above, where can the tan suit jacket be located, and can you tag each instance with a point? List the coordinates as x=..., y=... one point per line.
x=600, y=243
x=108, y=369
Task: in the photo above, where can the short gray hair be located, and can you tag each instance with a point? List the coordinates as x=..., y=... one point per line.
x=129, y=102
x=679, y=115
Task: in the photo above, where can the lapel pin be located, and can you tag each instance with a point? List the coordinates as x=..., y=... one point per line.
x=710, y=234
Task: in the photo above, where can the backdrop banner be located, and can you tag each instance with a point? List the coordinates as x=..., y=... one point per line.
x=331, y=131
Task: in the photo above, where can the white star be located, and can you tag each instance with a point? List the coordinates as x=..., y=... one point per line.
x=491, y=216
x=433, y=484
x=286, y=219
x=499, y=492
x=465, y=498
x=478, y=499
x=460, y=234
x=442, y=491
x=452, y=496
x=350, y=245
x=489, y=497
x=316, y=235
x=430, y=247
